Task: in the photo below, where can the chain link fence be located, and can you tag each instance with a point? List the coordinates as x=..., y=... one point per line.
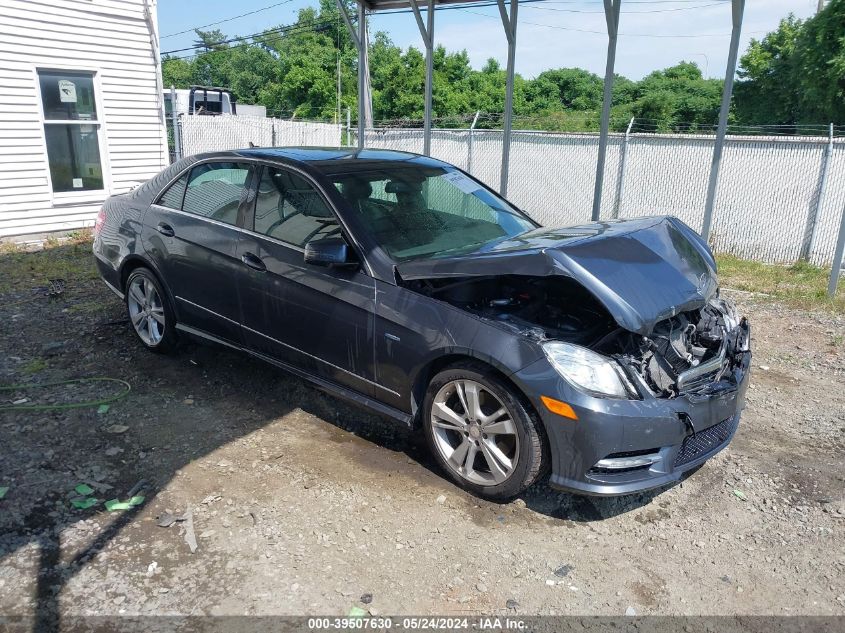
x=775, y=203
x=200, y=134
x=780, y=198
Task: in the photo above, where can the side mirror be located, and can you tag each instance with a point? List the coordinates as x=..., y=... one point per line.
x=328, y=251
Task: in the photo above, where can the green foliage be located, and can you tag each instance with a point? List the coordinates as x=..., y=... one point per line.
x=820, y=65
x=765, y=93
x=177, y=72
x=796, y=74
x=676, y=99
x=210, y=40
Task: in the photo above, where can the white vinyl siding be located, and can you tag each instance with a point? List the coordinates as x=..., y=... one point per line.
x=112, y=40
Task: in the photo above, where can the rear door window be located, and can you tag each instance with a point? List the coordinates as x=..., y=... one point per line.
x=215, y=191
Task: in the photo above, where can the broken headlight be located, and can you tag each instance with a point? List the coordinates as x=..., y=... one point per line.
x=588, y=371
x=728, y=310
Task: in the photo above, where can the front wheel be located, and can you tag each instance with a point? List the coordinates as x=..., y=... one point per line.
x=482, y=434
x=149, y=312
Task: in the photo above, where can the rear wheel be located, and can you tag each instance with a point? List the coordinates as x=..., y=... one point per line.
x=149, y=313
x=482, y=434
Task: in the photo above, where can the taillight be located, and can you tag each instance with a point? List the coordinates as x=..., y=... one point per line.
x=101, y=220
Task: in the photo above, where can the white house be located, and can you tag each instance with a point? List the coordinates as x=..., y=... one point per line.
x=81, y=112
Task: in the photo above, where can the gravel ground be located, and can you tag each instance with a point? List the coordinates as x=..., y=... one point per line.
x=301, y=504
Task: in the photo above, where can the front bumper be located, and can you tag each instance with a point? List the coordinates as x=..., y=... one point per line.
x=658, y=427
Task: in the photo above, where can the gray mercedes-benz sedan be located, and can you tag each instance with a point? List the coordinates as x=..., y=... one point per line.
x=602, y=353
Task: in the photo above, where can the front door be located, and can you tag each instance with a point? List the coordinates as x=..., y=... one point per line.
x=191, y=234
x=319, y=319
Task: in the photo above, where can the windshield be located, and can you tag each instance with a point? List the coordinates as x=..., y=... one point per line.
x=414, y=211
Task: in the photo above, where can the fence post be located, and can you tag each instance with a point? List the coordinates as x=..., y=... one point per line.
x=348, y=126
x=620, y=182
x=815, y=209
x=836, y=267
x=273, y=132
x=469, y=141
x=177, y=132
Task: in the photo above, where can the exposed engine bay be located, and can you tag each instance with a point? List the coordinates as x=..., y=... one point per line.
x=692, y=352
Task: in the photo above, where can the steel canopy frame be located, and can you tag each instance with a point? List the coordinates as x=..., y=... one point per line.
x=359, y=37
x=611, y=16
x=509, y=22
x=611, y=12
x=737, y=10
x=427, y=33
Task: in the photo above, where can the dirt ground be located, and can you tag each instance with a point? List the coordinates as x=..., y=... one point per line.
x=302, y=504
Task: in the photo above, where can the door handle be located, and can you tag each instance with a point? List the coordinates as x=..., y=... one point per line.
x=253, y=262
x=165, y=229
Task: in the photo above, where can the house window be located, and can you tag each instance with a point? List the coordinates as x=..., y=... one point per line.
x=72, y=130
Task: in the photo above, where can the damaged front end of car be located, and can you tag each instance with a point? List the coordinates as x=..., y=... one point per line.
x=694, y=352
x=637, y=340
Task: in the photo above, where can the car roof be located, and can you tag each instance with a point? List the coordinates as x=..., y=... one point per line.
x=333, y=160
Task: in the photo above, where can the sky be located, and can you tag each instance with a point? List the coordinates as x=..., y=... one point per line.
x=653, y=34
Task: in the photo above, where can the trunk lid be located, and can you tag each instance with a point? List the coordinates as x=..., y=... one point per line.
x=643, y=270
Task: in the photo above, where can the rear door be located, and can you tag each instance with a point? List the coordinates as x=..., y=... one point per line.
x=317, y=318
x=191, y=234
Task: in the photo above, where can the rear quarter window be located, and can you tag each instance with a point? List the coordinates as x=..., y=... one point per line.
x=172, y=196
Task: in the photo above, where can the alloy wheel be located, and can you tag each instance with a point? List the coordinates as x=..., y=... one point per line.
x=474, y=432
x=146, y=310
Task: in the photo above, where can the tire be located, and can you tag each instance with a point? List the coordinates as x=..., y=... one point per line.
x=503, y=463
x=150, y=315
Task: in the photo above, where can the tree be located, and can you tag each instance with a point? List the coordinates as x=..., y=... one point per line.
x=566, y=88
x=796, y=74
x=176, y=72
x=765, y=92
x=210, y=40
x=820, y=66
x=675, y=99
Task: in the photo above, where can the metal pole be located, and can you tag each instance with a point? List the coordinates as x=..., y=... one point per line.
x=836, y=267
x=362, y=75
x=509, y=22
x=737, y=9
x=620, y=183
x=427, y=33
x=368, y=88
x=359, y=39
x=174, y=114
x=611, y=16
x=815, y=209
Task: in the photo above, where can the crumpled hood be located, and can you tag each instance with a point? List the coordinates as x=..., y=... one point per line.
x=643, y=270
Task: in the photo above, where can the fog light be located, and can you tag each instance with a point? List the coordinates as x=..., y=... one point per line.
x=625, y=463
x=561, y=408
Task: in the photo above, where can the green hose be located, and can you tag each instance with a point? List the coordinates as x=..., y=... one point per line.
x=67, y=405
